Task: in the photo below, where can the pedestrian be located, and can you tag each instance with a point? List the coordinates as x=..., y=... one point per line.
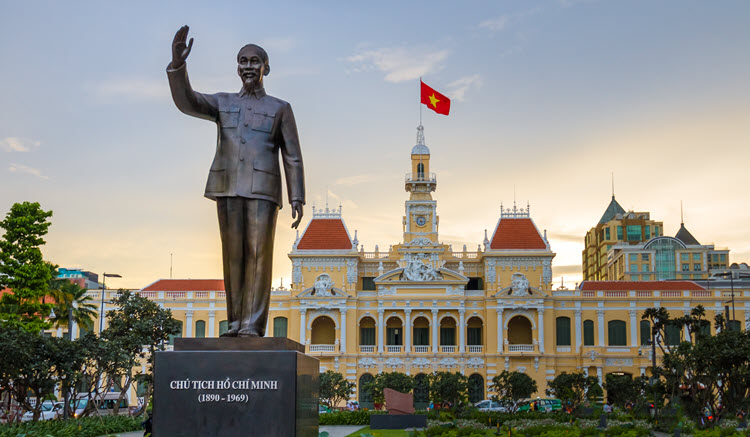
x=147, y=424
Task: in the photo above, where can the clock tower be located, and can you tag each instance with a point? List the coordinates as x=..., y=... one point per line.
x=421, y=220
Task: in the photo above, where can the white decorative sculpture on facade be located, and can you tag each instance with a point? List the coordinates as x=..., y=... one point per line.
x=417, y=269
x=519, y=285
x=323, y=285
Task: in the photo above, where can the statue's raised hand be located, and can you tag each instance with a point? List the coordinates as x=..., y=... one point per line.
x=181, y=49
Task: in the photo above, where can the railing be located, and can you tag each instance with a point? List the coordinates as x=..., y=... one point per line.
x=201, y=294
x=618, y=293
x=475, y=349
x=432, y=177
x=176, y=294
x=366, y=349
x=644, y=294
x=520, y=348
x=148, y=294
x=421, y=349
x=563, y=348
x=322, y=348
x=701, y=293
x=671, y=293
x=393, y=349
x=465, y=254
x=375, y=255
x=588, y=294
x=221, y=294
x=447, y=349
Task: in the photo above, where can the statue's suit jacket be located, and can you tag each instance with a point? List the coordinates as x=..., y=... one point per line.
x=253, y=128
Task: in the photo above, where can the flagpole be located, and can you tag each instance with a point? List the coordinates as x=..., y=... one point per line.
x=420, y=100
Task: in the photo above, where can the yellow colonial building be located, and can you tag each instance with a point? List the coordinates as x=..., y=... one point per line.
x=421, y=307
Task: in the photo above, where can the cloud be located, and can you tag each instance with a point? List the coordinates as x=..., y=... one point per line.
x=133, y=89
x=572, y=238
x=16, y=144
x=561, y=270
x=20, y=168
x=399, y=63
x=457, y=89
x=495, y=24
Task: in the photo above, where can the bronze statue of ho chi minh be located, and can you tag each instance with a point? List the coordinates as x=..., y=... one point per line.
x=245, y=178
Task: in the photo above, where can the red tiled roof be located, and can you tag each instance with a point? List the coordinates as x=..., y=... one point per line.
x=186, y=285
x=639, y=285
x=517, y=233
x=325, y=234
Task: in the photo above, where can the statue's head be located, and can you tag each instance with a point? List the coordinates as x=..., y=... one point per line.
x=252, y=65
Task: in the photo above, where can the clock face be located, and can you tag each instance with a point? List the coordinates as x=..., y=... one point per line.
x=421, y=220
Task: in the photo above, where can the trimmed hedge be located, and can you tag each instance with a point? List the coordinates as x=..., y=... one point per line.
x=84, y=427
x=357, y=417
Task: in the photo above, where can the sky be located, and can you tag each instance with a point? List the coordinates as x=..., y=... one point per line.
x=550, y=101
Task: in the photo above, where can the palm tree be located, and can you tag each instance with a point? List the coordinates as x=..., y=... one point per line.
x=67, y=294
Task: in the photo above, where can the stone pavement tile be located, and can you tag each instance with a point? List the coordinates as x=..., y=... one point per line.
x=338, y=430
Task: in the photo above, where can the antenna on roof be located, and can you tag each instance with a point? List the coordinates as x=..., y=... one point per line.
x=682, y=221
x=170, y=265
x=613, y=185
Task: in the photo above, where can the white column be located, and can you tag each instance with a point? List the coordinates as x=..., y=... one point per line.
x=633, y=329
x=747, y=320
x=599, y=374
x=643, y=371
x=342, y=346
x=585, y=371
x=302, y=325
x=407, y=331
x=600, y=322
x=462, y=332
x=579, y=330
x=189, y=324
x=381, y=330
x=211, y=321
x=499, y=330
x=540, y=329
x=434, y=331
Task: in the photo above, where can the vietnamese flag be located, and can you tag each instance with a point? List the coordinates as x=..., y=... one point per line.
x=434, y=100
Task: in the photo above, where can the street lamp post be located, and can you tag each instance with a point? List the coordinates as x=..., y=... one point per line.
x=731, y=284
x=104, y=289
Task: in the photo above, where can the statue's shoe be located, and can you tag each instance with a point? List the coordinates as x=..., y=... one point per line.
x=230, y=333
x=247, y=333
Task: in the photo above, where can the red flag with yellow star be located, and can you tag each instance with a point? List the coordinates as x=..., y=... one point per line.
x=434, y=100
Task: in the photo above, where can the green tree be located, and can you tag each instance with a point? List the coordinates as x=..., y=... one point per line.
x=67, y=295
x=22, y=268
x=512, y=388
x=572, y=388
x=334, y=388
x=624, y=389
x=137, y=328
x=398, y=381
x=446, y=387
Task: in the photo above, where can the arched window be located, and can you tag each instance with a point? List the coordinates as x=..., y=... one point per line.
x=178, y=335
x=645, y=332
x=588, y=332
x=448, y=332
x=420, y=171
x=223, y=327
x=279, y=326
x=474, y=332
x=323, y=331
x=367, y=331
x=476, y=388
x=200, y=329
x=673, y=332
x=421, y=332
x=365, y=397
x=394, y=332
x=563, y=331
x=519, y=331
x=618, y=333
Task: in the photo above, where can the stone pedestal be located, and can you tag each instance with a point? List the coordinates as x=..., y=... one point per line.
x=233, y=387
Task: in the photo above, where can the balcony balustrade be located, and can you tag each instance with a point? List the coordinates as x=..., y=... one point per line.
x=475, y=349
x=366, y=349
x=322, y=348
x=520, y=348
x=421, y=349
x=394, y=349
x=447, y=349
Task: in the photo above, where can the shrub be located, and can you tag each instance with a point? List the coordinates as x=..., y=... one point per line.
x=84, y=427
x=357, y=417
